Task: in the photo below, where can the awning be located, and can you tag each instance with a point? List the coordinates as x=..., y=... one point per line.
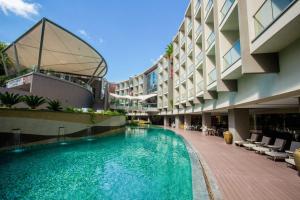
x=49, y=47
x=139, y=98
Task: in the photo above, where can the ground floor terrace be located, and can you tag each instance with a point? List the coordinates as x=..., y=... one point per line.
x=243, y=174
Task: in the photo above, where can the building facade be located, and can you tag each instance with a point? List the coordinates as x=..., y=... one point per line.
x=231, y=57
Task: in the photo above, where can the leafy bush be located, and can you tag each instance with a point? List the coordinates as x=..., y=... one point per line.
x=3, y=80
x=111, y=113
x=33, y=101
x=73, y=110
x=54, y=105
x=10, y=99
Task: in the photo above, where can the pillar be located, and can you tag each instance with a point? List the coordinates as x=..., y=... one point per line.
x=206, y=119
x=177, y=121
x=166, y=121
x=238, y=123
x=187, y=121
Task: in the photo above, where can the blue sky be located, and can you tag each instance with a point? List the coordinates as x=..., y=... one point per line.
x=130, y=34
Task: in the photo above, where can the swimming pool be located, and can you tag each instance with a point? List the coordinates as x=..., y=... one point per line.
x=150, y=163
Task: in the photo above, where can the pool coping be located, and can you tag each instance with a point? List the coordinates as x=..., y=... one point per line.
x=198, y=163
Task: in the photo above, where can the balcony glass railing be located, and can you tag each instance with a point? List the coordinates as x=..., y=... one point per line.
x=182, y=39
x=177, y=82
x=183, y=96
x=208, y=5
x=177, y=99
x=199, y=57
x=183, y=58
x=190, y=46
x=190, y=26
x=199, y=30
x=183, y=77
x=176, y=67
x=225, y=8
x=198, y=4
x=212, y=76
x=200, y=86
x=233, y=55
x=165, y=77
x=191, y=69
x=269, y=12
x=191, y=92
x=210, y=39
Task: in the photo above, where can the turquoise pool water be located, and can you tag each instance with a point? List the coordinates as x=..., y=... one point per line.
x=134, y=164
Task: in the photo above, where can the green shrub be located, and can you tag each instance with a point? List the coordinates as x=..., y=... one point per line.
x=10, y=99
x=54, y=105
x=33, y=101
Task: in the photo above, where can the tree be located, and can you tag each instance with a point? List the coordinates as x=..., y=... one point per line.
x=169, y=51
x=6, y=59
x=33, y=101
x=10, y=99
x=54, y=105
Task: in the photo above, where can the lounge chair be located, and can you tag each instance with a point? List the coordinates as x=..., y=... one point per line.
x=278, y=146
x=252, y=139
x=265, y=141
x=285, y=155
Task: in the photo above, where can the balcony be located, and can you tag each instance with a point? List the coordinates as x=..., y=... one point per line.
x=199, y=58
x=166, y=78
x=183, y=96
x=210, y=40
x=176, y=68
x=225, y=8
x=208, y=6
x=177, y=99
x=191, y=93
x=200, y=86
x=268, y=13
x=190, y=26
x=191, y=70
x=190, y=46
x=165, y=90
x=176, y=51
x=183, y=77
x=183, y=40
x=177, y=83
x=212, y=76
x=159, y=105
x=199, y=30
x=198, y=4
x=183, y=58
x=166, y=104
x=233, y=55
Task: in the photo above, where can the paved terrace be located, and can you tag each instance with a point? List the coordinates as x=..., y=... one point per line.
x=243, y=174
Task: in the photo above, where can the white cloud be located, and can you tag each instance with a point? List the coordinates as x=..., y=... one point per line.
x=81, y=31
x=20, y=8
x=101, y=40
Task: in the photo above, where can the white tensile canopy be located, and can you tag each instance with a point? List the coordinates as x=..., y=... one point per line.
x=139, y=98
x=49, y=47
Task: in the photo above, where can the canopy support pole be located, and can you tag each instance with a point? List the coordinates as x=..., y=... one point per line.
x=41, y=45
x=91, y=79
x=4, y=64
x=16, y=57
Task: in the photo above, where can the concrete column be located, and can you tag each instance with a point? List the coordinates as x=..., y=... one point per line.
x=206, y=119
x=187, y=120
x=238, y=122
x=166, y=121
x=177, y=121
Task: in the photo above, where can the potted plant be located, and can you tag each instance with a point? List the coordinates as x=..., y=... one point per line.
x=297, y=159
x=228, y=137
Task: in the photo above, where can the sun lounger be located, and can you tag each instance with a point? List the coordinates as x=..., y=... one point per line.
x=253, y=138
x=265, y=141
x=278, y=146
x=284, y=155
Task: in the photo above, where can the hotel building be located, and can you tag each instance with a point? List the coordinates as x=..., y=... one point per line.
x=233, y=61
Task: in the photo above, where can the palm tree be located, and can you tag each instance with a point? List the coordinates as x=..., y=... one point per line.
x=33, y=101
x=5, y=58
x=10, y=99
x=54, y=105
x=169, y=51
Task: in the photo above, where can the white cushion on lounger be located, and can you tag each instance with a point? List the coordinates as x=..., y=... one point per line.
x=261, y=150
x=239, y=143
x=249, y=146
x=290, y=161
x=277, y=155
